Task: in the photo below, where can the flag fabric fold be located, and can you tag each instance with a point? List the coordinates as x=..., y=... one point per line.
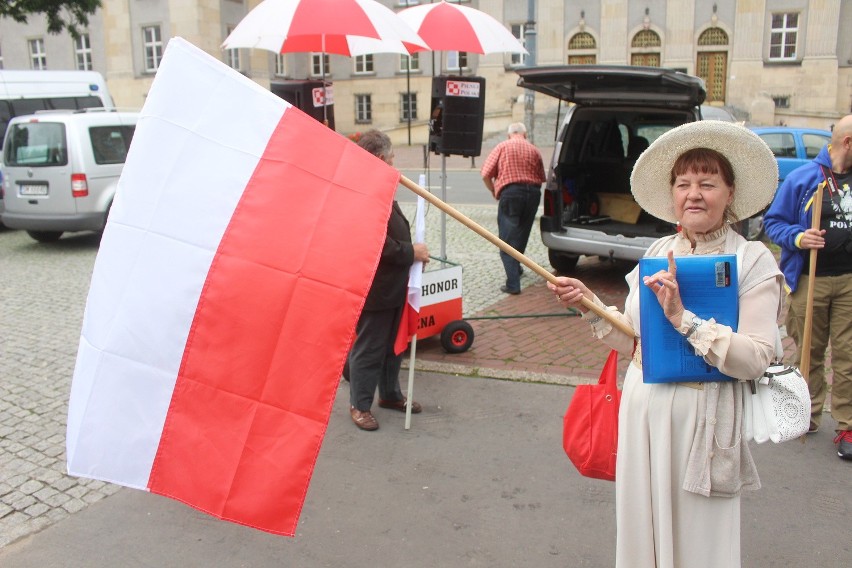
x=218, y=321
x=411, y=312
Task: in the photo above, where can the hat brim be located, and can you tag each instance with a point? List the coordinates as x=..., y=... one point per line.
x=755, y=168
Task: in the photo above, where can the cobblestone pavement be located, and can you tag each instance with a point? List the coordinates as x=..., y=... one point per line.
x=42, y=294
x=43, y=289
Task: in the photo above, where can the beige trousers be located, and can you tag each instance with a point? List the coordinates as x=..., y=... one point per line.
x=832, y=324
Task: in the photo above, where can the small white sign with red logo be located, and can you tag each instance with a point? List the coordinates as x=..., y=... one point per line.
x=318, y=96
x=462, y=89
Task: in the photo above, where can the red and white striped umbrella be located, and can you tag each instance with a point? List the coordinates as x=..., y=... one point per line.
x=451, y=27
x=343, y=27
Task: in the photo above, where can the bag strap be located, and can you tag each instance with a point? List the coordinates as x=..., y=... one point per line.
x=779, y=349
x=609, y=373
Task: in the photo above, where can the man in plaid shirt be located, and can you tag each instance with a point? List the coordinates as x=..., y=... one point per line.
x=514, y=172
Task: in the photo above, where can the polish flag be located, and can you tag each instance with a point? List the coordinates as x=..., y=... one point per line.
x=242, y=242
x=411, y=311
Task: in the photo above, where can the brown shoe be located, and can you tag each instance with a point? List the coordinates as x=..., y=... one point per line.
x=363, y=420
x=400, y=405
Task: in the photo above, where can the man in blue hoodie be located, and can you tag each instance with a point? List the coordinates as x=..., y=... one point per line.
x=788, y=223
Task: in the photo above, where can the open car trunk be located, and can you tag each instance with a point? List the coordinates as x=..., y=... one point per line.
x=616, y=112
x=593, y=167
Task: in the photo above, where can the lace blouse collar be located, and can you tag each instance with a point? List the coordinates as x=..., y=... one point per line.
x=708, y=243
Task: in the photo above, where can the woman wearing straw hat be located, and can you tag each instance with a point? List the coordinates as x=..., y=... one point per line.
x=681, y=461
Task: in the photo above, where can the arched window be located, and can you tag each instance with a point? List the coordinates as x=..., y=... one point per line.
x=582, y=40
x=713, y=36
x=582, y=49
x=645, y=48
x=646, y=39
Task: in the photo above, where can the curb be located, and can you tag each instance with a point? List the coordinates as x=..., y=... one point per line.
x=424, y=365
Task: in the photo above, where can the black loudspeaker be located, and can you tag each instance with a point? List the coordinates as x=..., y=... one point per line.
x=307, y=96
x=457, y=115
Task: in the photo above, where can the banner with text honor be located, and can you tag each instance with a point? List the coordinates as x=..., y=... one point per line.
x=440, y=301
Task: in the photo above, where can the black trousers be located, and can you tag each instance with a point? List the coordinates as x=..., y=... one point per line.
x=372, y=362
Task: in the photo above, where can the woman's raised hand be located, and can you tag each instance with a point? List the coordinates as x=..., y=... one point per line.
x=665, y=287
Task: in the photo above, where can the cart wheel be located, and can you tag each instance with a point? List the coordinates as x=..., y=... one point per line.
x=457, y=337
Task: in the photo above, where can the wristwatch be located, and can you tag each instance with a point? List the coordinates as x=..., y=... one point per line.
x=696, y=321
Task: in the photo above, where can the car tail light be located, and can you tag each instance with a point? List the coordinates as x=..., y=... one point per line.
x=549, y=206
x=79, y=185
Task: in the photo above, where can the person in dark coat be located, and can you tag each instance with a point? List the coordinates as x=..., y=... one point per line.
x=372, y=362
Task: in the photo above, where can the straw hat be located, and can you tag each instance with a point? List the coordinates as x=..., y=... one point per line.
x=755, y=168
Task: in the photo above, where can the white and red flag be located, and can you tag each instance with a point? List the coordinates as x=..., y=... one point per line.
x=239, y=250
x=411, y=312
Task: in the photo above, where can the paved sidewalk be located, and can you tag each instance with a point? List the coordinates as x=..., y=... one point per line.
x=480, y=480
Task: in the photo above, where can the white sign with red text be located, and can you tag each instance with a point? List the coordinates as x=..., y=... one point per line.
x=462, y=89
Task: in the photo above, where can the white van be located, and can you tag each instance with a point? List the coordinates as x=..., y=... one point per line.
x=25, y=92
x=61, y=169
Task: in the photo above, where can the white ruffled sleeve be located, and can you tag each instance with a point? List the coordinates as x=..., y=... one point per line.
x=602, y=329
x=746, y=353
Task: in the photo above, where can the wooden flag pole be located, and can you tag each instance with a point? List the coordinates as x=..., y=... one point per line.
x=805, y=363
x=510, y=250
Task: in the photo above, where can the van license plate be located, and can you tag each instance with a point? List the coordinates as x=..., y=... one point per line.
x=31, y=189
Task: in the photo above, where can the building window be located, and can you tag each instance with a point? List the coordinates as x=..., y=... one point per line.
x=280, y=65
x=363, y=64
x=582, y=49
x=713, y=36
x=232, y=56
x=319, y=69
x=582, y=59
x=363, y=109
x=38, y=57
x=582, y=40
x=781, y=102
x=83, y=52
x=402, y=3
x=782, y=40
x=407, y=107
x=410, y=62
x=646, y=39
x=646, y=45
x=152, y=43
x=456, y=60
x=520, y=32
x=712, y=63
x=645, y=59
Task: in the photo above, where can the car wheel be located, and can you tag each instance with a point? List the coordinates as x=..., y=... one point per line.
x=45, y=236
x=457, y=337
x=562, y=262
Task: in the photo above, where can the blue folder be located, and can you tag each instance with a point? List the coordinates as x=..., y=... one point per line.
x=708, y=287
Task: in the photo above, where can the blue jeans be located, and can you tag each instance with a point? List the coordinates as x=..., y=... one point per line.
x=515, y=216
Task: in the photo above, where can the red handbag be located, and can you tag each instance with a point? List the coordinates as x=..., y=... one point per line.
x=590, y=432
